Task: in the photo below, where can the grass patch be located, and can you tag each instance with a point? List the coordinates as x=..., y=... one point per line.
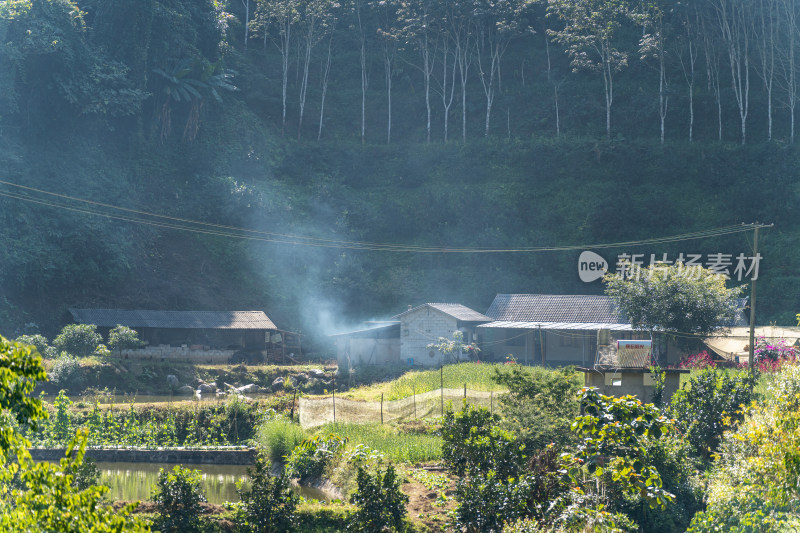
x=396, y=446
x=476, y=376
x=278, y=438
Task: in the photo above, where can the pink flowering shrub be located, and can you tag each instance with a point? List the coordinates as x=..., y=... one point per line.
x=697, y=361
x=771, y=357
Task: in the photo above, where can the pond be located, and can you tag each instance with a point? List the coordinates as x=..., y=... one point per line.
x=135, y=481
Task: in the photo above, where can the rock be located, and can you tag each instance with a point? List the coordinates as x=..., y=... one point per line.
x=277, y=383
x=249, y=389
x=316, y=373
x=301, y=377
x=186, y=389
x=207, y=388
x=172, y=381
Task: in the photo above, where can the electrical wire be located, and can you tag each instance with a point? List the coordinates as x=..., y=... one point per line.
x=207, y=228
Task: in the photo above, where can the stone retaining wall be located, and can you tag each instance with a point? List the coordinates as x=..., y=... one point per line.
x=166, y=352
x=172, y=455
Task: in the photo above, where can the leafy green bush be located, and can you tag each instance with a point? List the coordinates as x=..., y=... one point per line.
x=80, y=340
x=178, y=496
x=673, y=458
x=66, y=372
x=381, y=504
x=753, y=485
x=473, y=443
x=268, y=506
x=540, y=405
x=279, y=437
x=309, y=459
x=701, y=406
x=41, y=343
x=123, y=338
x=486, y=502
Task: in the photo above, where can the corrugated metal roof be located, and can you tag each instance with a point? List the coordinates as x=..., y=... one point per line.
x=583, y=309
x=385, y=327
x=557, y=325
x=457, y=311
x=174, y=319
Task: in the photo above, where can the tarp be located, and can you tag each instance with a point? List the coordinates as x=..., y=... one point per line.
x=736, y=342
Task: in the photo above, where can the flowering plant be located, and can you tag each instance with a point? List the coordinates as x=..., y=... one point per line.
x=697, y=361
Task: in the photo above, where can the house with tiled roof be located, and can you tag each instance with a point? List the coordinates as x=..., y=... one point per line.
x=405, y=338
x=552, y=330
x=196, y=335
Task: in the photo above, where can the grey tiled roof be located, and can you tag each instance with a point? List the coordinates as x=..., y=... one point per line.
x=174, y=319
x=554, y=308
x=457, y=311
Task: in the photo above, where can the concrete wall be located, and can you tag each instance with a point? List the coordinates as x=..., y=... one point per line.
x=138, y=455
x=365, y=351
x=636, y=383
x=182, y=354
x=420, y=328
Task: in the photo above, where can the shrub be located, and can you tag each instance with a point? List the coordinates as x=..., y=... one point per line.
x=309, y=459
x=710, y=397
x=80, y=340
x=123, y=338
x=269, y=505
x=178, y=497
x=66, y=372
x=473, y=443
x=279, y=438
x=540, y=405
x=381, y=504
x=41, y=343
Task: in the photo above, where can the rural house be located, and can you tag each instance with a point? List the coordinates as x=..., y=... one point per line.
x=556, y=330
x=208, y=336
x=405, y=338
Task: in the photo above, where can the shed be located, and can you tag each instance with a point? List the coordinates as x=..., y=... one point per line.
x=250, y=331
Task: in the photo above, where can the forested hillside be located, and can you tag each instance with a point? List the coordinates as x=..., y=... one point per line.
x=178, y=154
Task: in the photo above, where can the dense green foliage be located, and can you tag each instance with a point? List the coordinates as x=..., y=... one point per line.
x=268, y=505
x=677, y=300
x=753, y=485
x=309, y=459
x=44, y=496
x=178, y=496
x=707, y=405
x=79, y=340
x=529, y=409
x=122, y=337
x=381, y=506
x=473, y=443
x=230, y=423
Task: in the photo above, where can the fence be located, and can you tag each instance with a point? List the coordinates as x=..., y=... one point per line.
x=314, y=413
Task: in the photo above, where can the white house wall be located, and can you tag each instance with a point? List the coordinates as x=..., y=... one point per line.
x=420, y=328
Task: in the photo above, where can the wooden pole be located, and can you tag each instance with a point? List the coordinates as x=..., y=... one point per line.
x=294, y=399
x=441, y=386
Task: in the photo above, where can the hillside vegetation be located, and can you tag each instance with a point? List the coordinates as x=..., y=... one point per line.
x=158, y=107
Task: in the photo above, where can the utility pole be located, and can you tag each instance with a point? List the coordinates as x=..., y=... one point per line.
x=750, y=357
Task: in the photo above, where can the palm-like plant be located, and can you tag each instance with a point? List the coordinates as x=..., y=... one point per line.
x=181, y=85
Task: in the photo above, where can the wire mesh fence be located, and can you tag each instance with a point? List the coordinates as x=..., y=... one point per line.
x=317, y=412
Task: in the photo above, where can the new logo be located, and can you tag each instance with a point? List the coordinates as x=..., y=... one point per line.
x=591, y=266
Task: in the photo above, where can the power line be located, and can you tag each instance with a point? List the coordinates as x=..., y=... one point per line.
x=208, y=228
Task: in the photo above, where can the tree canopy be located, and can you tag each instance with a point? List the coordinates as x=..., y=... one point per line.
x=673, y=299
